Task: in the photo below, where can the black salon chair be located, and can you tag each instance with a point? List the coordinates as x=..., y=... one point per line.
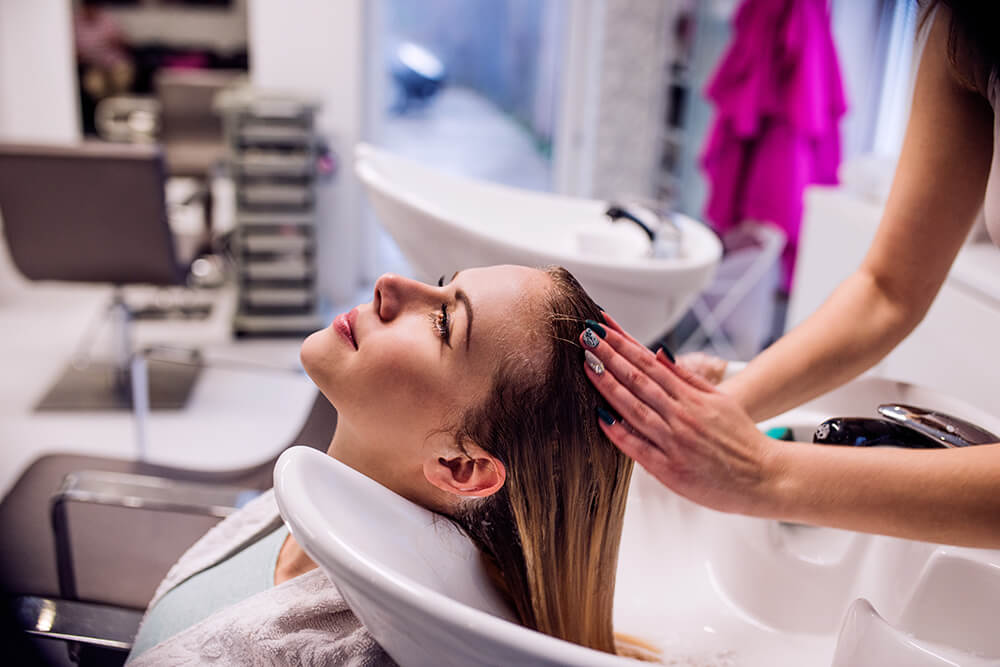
x=95, y=212
x=85, y=540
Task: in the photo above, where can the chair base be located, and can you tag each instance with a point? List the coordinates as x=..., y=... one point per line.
x=98, y=387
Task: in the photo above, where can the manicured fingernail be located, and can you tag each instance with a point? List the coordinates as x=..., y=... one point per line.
x=605, y=416
x=670, y=355
x=592, y=361
x=598, y=329
x=590, y=339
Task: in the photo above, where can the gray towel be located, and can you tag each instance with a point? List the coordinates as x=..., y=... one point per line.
x=304, y=621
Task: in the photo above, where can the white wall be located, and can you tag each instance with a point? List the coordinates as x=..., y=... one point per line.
x=954, y=349
x=875, y=46
x=574, y=138
x=318, y=47
x=613, y=74
x=637, y=40
x=38, y=94
x=857, y=34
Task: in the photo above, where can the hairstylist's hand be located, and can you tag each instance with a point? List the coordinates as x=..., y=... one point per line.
x=694, y=439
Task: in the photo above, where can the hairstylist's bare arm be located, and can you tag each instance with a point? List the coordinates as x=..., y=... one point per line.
x=937, y=191
x=699, y=442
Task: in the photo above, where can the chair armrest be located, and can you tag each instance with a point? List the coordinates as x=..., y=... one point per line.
x=121, y=489
x=98, y=625
x=127, y=490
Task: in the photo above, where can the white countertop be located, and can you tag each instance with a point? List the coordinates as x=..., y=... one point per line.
x=978, y=268
x=234, y=417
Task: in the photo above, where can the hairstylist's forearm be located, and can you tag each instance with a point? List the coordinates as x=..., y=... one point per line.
x=936, y=192
x=857, y=326
x=947, y=496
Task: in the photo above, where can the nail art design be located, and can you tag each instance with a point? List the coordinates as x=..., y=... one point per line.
x=605, y=416
x=598, y=329
x=590, y=338
x=592, y=361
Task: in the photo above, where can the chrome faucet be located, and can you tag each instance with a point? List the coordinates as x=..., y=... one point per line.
x=661, y=228
x=945, y=429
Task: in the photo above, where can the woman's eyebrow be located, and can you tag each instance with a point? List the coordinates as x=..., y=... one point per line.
x=463, y=298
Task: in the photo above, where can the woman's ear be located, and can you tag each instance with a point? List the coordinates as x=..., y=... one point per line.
x=472, y=474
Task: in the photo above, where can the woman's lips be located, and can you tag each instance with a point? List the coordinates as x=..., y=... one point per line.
x=344, y=324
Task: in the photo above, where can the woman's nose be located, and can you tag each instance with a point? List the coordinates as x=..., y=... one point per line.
x=393, y=294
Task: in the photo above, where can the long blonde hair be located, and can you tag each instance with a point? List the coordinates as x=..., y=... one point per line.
x=550, y=535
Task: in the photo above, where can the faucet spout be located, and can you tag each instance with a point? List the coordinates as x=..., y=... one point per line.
x=661, y=228
x=620, y=212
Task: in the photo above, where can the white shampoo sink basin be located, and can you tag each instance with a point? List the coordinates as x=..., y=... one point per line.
x=443, y=222
x=707, y=588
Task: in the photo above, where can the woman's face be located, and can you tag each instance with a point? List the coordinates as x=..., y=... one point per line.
x=402, y=369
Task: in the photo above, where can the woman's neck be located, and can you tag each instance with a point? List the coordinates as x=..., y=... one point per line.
x=389, y=464
x=292, y=561
x=381, y=462
x=345, y=445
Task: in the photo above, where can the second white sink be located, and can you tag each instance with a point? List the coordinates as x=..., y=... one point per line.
x=444, y=222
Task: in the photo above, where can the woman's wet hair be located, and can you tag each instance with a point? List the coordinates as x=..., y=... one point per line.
x=550, y=535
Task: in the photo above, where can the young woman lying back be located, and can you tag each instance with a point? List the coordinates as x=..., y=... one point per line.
x=468, y=398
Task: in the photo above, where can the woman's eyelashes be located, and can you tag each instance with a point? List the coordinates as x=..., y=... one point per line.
x=442, y=324
x=441, y=320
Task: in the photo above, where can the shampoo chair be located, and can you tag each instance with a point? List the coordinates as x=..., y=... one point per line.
x=116, y=528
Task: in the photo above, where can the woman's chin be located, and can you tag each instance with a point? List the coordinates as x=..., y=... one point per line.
x=317, y=355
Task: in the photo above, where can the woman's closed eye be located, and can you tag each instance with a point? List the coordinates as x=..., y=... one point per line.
x=441, y=320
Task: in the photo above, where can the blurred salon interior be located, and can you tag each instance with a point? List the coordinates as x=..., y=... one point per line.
x=189, y=188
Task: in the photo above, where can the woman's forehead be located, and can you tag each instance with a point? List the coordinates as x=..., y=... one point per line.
x=507, y=301
x=512, y=273
x=505, y=286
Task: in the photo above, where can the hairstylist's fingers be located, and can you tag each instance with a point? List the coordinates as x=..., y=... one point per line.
x=635, y=366
x=634, y=379
x=685, y=374
x=636, y=447
x=617, y=327
x=648, y=420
